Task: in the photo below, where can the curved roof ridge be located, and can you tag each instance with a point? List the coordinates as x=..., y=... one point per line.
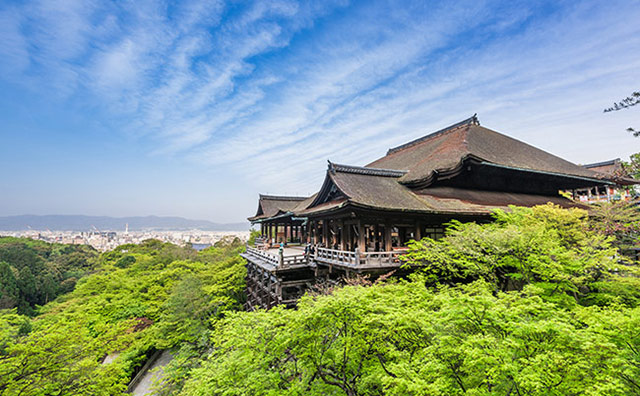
x=602, y=163
x=473, y=120
x=362, y=170
x=282, y=197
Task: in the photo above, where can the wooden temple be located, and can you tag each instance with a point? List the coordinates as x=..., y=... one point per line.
x=362, y=216
x=620, y=191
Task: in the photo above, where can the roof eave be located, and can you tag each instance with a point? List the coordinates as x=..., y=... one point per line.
x=576, y=177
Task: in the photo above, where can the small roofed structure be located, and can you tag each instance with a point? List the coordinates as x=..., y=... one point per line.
x=361, y=218
x=612, y=170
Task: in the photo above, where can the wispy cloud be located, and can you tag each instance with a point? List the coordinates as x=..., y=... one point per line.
x=271, y=89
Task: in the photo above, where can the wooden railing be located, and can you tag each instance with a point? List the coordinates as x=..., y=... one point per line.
x=382, y=259
x=340, y=257
x=357, y=259
x=277, y=260
x=331, y=256
x=261, y=254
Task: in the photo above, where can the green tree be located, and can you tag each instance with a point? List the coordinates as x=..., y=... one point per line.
x=404, y=339
x=620, y=220
x=8, y=287
x=168, y=296
x=547, y=246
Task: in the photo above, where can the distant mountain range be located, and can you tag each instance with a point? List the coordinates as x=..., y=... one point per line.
x=105, y=223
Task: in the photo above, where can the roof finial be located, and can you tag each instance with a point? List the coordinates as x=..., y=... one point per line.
x=474, y=119
x=331, y=167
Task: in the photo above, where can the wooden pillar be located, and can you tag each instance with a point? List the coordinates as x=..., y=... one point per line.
x=418, y=233
x=325, y=233
x=387, y=237
x=342, y=235
x=361, y=239
x=334, y=234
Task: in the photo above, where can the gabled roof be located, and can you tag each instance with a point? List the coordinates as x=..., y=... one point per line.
x=371, y=187
x=273, y=205
x=446, y=150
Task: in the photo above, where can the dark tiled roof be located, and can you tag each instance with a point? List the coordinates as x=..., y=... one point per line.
x=377, y=191
x=272, y=205
x=386, y=193
x=445, y=150
x=391, y=183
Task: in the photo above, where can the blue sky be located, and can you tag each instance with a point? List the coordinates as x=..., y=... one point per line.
x=191, y=108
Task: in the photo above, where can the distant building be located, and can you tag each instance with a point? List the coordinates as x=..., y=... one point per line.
x=613, y=171
x=361, y=218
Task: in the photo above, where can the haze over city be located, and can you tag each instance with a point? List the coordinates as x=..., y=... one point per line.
x=190, y=109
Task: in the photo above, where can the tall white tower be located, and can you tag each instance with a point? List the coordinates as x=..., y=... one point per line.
x=126, y=228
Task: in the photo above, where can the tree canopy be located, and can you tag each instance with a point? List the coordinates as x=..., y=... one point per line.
x=535, y=303
x=33, y=272
x=140, y=299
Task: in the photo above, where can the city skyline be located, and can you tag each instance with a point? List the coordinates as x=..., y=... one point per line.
x=191, y=108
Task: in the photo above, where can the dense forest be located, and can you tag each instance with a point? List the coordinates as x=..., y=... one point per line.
x=539, y=302
x=34, y=272
x=139, y=298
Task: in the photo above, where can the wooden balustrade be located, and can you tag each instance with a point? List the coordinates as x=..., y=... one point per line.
x=357, y=259
x=332, y=256
x=276, y=260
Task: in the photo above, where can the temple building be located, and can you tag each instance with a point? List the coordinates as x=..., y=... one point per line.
x=620, y=191
x=361, y=218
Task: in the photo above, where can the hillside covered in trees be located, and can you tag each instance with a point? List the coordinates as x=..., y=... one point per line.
x=139, y=299
x=34, y=272
x=538, y=302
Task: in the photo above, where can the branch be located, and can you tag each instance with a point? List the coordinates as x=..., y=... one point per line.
x=627, y=102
